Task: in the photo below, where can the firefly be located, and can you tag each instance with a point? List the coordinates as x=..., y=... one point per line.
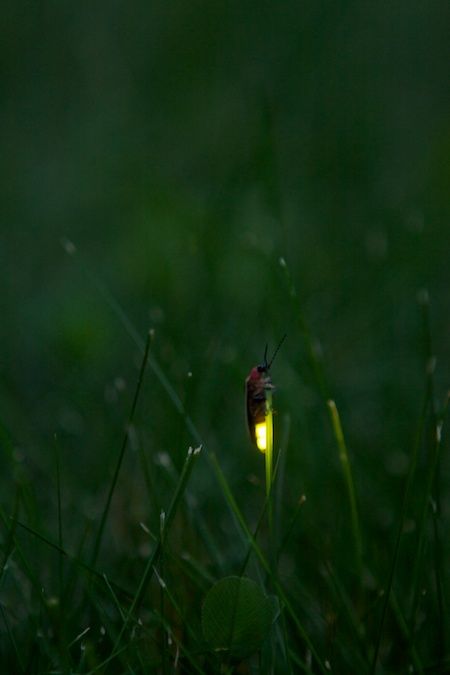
x=258, y=391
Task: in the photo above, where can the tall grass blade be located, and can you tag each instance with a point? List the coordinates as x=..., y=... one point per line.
x=347, y=470
x=155, y=556
x=247, y=536
x=431, y=496
x=12, y=640
x=123, y=448
x=75, y=560
x=401, y=523
x=59, y=511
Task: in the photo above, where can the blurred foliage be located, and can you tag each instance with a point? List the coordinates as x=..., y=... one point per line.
x=183, y=148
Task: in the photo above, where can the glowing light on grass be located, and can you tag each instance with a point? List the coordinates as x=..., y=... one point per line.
x=268, y=450
x=261, y=436
x=264, y=438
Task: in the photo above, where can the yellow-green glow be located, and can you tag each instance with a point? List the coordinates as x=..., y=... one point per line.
x=261, y=435
x=269, y=444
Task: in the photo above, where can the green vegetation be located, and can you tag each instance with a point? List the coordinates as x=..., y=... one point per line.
x=183, y=184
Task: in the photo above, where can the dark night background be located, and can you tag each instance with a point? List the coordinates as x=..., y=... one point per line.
x=183, y=148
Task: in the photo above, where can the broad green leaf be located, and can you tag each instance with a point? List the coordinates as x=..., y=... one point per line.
x=237, y=616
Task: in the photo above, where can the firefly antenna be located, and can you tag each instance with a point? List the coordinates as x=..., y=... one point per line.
x=275, y=352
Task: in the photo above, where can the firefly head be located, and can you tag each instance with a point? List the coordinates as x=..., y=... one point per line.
x=259, y=371
x=265, y=366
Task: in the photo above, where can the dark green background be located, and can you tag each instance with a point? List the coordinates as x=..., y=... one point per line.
x=184, y=147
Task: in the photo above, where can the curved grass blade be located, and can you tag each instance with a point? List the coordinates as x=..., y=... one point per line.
x=123, y=448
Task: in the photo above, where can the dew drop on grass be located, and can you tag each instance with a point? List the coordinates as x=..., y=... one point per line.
x=163, y=459
x=68, y=246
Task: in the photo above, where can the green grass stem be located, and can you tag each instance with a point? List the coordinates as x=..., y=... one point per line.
x=430, y=502
x=12, y=640
x=60, y=527
x=247, y=535
x=401, y=523
x=348, y=476
x=112, y=487
x=154, y=558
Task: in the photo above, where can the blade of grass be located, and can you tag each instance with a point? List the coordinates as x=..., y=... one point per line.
x=26, y=567
x=291, y=525
x=59, y=511
x=249, y=538
x=34, y=581
x=188, y=654
x=12, y=640
x=170, y=515
x=431, y=494
x=427, y=504
x=154, y=558
x=123, y=448
x=72, y=558
x=279, y=490
x=261, y=519
x=162, y=586
x=173, y=601
x=268, y=455
x=402, y=623
x=9, y=543
x=114, y=597
x=345, y=602
x=347, y=470
x=401, y=523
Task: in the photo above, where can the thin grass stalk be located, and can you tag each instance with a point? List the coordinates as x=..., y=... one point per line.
x=261, y=520
x=173, y=601
x=35, y=582
x=74, y=559
x=162, y=585
x=123, y=448
x=427, y=503
x=400, y=527
x=345, y=602
x=114, y=597
x=269, y=461
x=348, y=476
x=432, y=497
x=10, y=537
x=154, y=558
x=402, y=623
x=12, y=640
x=278, y=492
x=291, y=525
x=249, y=537
x=186, y=652
x=60, y=528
